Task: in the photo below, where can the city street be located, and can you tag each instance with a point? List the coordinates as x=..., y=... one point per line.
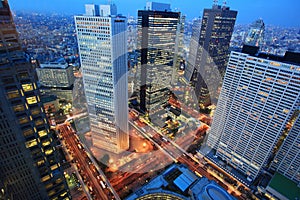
x=93, y=181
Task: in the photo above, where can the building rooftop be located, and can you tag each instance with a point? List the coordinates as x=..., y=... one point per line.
x=54, y=65
x=289, y=57
x=178, y=182
x=284, y=186
x=158, y=6
x=209, y=190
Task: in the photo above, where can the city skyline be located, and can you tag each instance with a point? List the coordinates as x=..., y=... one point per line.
x=259, y=9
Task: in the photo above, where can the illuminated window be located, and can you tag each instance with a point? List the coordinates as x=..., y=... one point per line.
x=19, y=108
x=45, y=178
x=53, y=167
x=39, y=122
x=23, y=120
x=282, y=82
x=275, y=64
x=263, y=93
x=64, y=194
x=31, y=100
x=27, y=87
x=28, y=132
x=51, y=192
x=49, y=185
x=35, y=111
x=286, y=111
x=42, y=133
x=31, y=143
x=46, y=143
x=13, y=94
x=263, y=100
x=49, y=151
x=40, y=162
x=59, y=180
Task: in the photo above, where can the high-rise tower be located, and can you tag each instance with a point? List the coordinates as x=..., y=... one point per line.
x=29, y=168
x=287, y=159
x=212, y=49
x=259, y=99
x=255, y=34
x=158, y=32
x=102, y=45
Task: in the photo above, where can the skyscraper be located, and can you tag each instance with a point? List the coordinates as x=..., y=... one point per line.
x=29, y=168
x=255, y=34
x=212, y=49
x=259, y=98
x=287, y=160
x=158, y=32
x=102, y=45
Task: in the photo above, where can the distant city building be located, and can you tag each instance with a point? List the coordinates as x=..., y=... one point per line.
x=91, y=10
x=108, y=10
x=287, y=160
x=255, y=36
x=158, y=33
x=212, y=48
x=28, y=159
x=259, y=98
x=187, y=185
x=194, y=45
x=103, y=53
x=155, y=6
x=55, y=75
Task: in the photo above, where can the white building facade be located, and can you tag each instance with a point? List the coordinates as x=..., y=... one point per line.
x=55, y=75
x=102, y=45
x=257, y=101
x=287, y=160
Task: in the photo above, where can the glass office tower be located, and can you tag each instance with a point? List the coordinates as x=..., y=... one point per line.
x=158, y=40
x=212, y=48
x=255, y=36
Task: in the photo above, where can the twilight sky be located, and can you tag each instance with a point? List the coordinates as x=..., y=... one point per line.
x=274, y=12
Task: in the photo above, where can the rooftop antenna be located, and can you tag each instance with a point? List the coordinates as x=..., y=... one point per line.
x=224, y=3
x=215, y=2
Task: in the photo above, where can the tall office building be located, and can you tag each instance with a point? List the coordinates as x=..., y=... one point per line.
x=287, y=160
x=158, y=32
x=194, y=45
x=255, y=36
x=259, y=98
x=212, y=49
x=102, y=45
x=29, y=168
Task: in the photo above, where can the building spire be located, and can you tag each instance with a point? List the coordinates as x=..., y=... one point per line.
x=216, y=2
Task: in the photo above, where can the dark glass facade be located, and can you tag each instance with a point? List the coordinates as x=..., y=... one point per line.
x=158, y=33
x=212, y=49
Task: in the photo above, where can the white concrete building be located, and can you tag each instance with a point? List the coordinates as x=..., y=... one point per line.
x=258, y=99
x=102, y=45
